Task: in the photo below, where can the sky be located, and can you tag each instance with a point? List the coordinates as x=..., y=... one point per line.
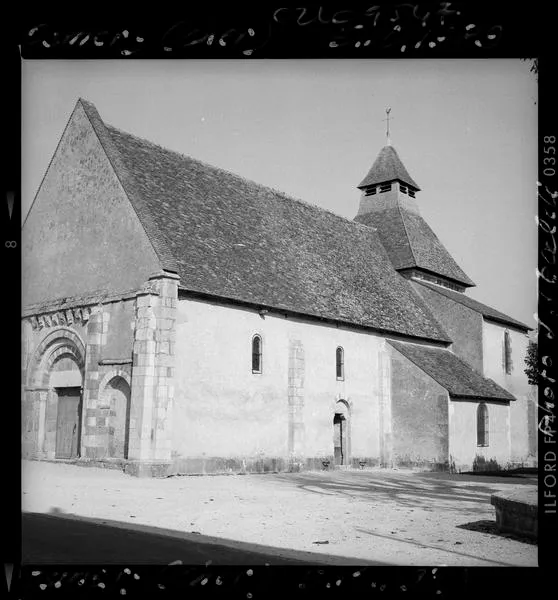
x=466, y=130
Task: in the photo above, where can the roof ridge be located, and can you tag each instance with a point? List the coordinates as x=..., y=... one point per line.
x=263, y=186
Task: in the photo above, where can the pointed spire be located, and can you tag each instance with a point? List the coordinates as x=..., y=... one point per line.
x=387, y=167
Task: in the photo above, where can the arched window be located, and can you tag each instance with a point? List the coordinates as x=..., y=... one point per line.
x=256, y=354
x=340, y=363
x=482, y=425
x=507, y=352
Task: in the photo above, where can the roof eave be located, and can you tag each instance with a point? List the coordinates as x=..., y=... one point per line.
x=514, y=324
x=467, y=284
x=441, y=341
x=365, y=183
x=472, y=397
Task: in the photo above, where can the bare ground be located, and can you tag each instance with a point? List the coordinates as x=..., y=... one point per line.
x=372, y=516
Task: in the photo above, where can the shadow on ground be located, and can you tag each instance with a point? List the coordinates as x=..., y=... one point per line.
x=60, y=538
x=491, y=528
x=406, y=489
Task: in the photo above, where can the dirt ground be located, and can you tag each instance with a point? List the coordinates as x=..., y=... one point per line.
x=361, y=517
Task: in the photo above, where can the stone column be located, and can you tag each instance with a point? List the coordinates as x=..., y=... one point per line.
x=93, y=442
x=296, y=405
x=153, y=377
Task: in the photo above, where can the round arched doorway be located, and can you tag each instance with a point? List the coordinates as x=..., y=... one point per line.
x=54, y=395
x=116, y=398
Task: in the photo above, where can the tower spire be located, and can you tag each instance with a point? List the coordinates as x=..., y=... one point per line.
x=388, y=110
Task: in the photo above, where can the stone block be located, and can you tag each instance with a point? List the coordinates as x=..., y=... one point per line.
x=148, y=322
x=166, y=323
x=143, y=312
x=95, y=327
x=145, y=468
x=145, y=360
x=517, y=511
x=146, y=347
x=164, y=312
x=145, y=300
x=144, y=333
x=163, y=348
x=165, y=360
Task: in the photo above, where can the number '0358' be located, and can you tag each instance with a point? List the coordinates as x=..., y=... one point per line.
x=549, y=160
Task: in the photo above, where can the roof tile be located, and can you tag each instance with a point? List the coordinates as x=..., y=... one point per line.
x=387, y=167
x=410, y=242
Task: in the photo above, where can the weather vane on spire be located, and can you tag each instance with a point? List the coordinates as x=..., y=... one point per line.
x=388, y=110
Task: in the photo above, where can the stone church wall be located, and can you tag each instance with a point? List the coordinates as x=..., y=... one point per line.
x=419, y=417
x=462, y=324
x=465, y=454
x=82, y=234
x=227, y=418
x=83, y=347
x=523, y=412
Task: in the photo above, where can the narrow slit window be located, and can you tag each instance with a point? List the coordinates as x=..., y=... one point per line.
x=482, y=425
x=340, y=363
x=403, y=189
x=256, y=354
x=385, y=188
x=411, y=193
x=370, y=191
x=507, y=353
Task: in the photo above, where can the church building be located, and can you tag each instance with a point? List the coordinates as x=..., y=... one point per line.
x=181, y=319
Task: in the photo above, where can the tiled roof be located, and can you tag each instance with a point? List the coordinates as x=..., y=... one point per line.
x=387, y=167
x=410, y=242
x=232, y=238
x=486, y=311
x=452, y=373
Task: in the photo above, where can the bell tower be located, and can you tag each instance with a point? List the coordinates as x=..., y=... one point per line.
x=388, y=204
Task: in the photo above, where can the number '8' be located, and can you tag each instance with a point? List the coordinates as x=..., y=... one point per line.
x=549, y=139
x=10, y=244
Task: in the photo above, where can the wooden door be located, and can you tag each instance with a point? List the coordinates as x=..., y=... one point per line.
x=68, y=422
x=338, y=439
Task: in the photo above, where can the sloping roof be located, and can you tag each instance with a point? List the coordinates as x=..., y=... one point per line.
x=410, y=242
x=387, y=167
x=452, y=373
x=486, y=311
x=229, y=237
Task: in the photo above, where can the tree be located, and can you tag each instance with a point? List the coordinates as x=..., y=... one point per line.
x=532, y=362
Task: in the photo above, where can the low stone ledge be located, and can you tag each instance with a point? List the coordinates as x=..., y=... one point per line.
x=517, y=511
x=147, y=468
